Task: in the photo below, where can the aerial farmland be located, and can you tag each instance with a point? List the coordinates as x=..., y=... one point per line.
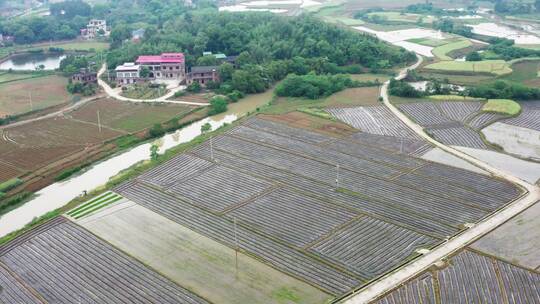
x=298, y=151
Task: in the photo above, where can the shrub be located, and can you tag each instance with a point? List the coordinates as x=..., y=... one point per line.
x=313, y=86
x=10, y=184
x=218, y=104
x=194, y=87
x=156, y=130
x=403, y=89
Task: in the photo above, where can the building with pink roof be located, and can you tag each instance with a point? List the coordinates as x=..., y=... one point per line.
x=168, y=66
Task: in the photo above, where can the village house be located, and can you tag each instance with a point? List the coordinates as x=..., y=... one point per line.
x=95, y=28
x=137, y=35
x=167, y=66
x=203, y=74
x=84, y=76
x=128, y=73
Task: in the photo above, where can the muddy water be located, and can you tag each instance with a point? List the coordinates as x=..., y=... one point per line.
x=59, y=194
x=29, y=62
x=516, y=140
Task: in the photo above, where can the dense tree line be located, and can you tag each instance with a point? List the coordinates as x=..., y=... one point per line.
x=504, y=90
x=313, y=86
x=513, y=7
x=268, y=47
x=450, y=26
x=506, y=50
x=403, y=89
x=65, y=21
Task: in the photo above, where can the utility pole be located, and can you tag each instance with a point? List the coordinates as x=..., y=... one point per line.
x=337, y=176
x=31, y=103
x=212, y=151
x=99, y=121
x=236, y=247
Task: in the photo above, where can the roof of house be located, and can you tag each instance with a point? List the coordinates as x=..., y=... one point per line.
x=163, y=58
x=204, y=69
x=140, y=32
x=128, y=66
x=220, y=56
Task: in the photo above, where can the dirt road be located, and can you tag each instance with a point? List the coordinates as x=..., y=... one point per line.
x=400, y=276
x=115, y=93
x=61, y=112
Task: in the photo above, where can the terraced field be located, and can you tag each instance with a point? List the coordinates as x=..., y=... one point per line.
x=452, y=122
x=63, y=263
x=470, y=278
x=334, y=227
x=529, y=117
x=375, y=120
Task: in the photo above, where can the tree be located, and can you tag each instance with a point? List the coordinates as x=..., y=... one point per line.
x=207, y=60
x=206, y=127
x=537, y=5
x=154, y=152
x=218, y=104
x=156, y=130
x=473, y=56
x=144, y=72
x=195, y=87
x=226, y=71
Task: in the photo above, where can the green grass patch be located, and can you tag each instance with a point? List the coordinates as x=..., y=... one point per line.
x=453, y=98
x=318, y=112
x=523, y=71
x=10, y=184
x=494, y=67
x=402, y=17
x=85, y=46
x=429, y=41
x=442, y=51
x=502, y=106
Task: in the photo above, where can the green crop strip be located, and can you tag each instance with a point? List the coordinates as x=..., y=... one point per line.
x=99, y=207
x=103, y=201
x=90, y=202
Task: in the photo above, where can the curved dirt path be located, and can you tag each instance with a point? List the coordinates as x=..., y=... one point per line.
x=115, y=93
x=400, y=276
x=60, y=112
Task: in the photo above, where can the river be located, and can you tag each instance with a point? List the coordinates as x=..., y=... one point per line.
x=30, y=62
x=61, y=193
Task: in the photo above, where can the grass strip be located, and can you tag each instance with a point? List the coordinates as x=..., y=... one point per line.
x=103, y=201
x=98, y=207
x=90, y=202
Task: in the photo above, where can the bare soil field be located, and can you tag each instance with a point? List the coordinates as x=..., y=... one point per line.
x=126, y=116
x=45, y=92
x=33, y=145
x=518, y=240
x=278, y=183
x=469, y=277
x=196, y=262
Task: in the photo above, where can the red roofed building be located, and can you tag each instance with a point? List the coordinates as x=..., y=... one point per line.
x=169, y=66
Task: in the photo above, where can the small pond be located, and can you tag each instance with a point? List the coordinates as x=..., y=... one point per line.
x=25, y=62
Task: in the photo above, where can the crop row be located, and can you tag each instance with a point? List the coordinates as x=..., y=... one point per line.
x=390, y=143
x=449, y=211
x=67, y=264
x=375, y=120
x=298, y=134
x=417, y=291
x=370, y=247
x=470, y=278
x=479, y=183
x=529, y=118
x=459, y=136
x=294, y=218
x=175, y=170
x=361, y=158
x=426, y=113
x=482, y=120
x=459, y=110
x=219, y=188
x=391, y=213
x=12, y=290
x=222, y=230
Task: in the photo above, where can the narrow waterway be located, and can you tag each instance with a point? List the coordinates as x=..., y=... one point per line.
x=61, y=193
